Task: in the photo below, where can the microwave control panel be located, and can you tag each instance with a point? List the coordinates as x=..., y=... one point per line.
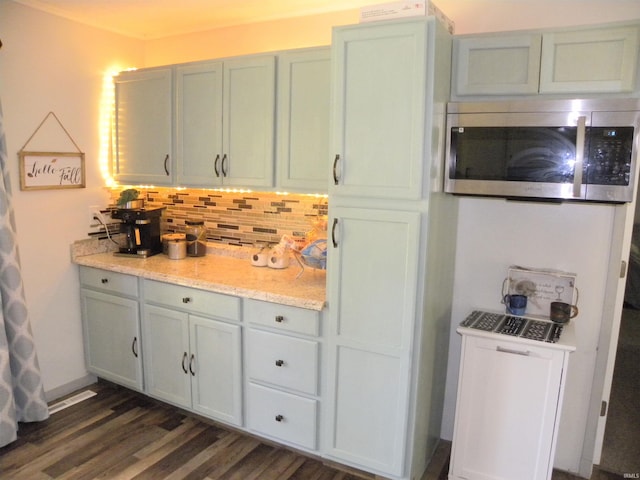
x=609, y=157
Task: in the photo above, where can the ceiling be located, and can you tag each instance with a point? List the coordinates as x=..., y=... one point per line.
x=149, y=19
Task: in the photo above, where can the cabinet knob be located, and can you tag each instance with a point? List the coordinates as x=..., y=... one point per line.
x=279, y=363
x=279, y=318
x=186, y=300
x=104, y=280
x=279, y=418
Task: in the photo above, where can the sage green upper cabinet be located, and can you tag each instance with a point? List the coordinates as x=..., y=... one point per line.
x=593, y=60
x=303, y=119
x=497, y=65
x=199, y=124
x=596, y=60
x=248, y=121
x=143, y=127
x=225, y=122
x=378, y=125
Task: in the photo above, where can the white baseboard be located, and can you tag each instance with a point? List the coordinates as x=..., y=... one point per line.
x=70, y=387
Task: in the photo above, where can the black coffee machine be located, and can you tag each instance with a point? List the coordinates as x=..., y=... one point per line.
x=141, y=229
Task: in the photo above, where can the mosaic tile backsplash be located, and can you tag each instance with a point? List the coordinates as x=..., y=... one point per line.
x=237, y=218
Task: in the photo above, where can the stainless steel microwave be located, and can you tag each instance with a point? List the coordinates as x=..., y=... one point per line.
x=544, y=149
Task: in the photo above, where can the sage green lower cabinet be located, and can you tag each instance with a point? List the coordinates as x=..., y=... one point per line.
x=282, y=367
x=111, y=323
x=191, y=360
x=373, y=278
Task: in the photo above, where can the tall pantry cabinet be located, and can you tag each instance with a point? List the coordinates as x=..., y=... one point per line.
x=391, y=236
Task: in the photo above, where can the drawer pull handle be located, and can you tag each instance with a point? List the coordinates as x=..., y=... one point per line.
x=279, y=363
x=279, y=418
x=184, y=365
x=215, y=165
x=134, y=347
x=279, y=318
x=166, y=162
x=525, y=353
x=333, y=233
x=104, y=280
x=223, y=164
x=191, y=368
x=186, y=300
x=336, y=180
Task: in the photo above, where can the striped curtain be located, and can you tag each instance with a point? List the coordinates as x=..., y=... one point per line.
x=21, y=390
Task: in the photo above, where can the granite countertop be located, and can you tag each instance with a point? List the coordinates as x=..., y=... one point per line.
x=223, y=270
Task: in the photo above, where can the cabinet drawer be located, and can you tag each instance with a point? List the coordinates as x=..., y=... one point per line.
x=283, y=317
x=283, y=416
x=284, y=361
x=192, y=300
x=109, y=281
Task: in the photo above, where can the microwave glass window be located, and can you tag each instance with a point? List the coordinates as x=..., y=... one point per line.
x=609, y=157
x=527, y=154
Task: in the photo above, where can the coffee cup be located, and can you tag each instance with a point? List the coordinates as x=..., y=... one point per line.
x=561, y=312
x=516, y=304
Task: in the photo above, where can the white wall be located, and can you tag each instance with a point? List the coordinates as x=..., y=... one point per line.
x=476, y=16
x=494, y=234
x=50, y=64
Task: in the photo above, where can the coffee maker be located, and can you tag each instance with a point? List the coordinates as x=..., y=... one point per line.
x=141, y=230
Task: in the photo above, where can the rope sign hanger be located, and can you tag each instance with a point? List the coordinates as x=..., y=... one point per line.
x=51, y=114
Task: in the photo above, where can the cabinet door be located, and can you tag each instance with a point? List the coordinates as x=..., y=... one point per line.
x=143, y=127
x=376, y=257
x=496, y=65
x=378, y=125
x=303, y=120
x=249, y=121
x=215, y=366
x=506, y=412
x=199, y=124
x=112, y=338
x=595, y=60
x=166, y=355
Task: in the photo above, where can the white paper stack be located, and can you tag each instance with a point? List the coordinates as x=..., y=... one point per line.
x=391, y=10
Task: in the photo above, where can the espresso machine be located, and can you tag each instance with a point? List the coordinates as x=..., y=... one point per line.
x=141, y=230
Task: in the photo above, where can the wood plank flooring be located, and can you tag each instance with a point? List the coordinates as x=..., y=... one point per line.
x=123, y=435
x=119, y=434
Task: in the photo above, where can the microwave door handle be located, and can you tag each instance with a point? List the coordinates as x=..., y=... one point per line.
x=579, y=164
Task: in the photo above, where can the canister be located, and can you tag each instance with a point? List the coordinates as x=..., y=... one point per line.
x=168, y=237
x=196, y=238
x=177, y=249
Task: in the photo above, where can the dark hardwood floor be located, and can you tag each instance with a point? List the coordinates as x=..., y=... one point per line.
x=119, y=434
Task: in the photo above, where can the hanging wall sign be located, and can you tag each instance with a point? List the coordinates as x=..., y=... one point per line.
x=48, y=170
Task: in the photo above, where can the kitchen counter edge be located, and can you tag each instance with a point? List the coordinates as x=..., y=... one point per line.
x=221, y=274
